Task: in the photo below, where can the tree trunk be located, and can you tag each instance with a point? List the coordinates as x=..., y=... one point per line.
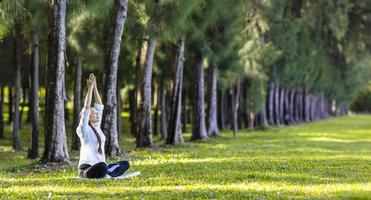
x=2, y=125
x=263, y=116
x=306, y=105
x=286, y=107
x=55, y=149
x=213, y=129
x=163, y=125
x=297, y=106
x=76, y=103
x=222, y=113
x=139, y=62
x=175, y=130
x=144, y=138
x=17, y=89
x=270, y=103
x=118, y=93
x=251, y=120
x=235, y=104
x=110, y=92
x=282, y=103
x=33, y=151
x=291, y=107
x=132, y=110
x=276, y=104
x=198, y=125
x=302, y=98
x=156, y=104
x=184, y=112
x=22, y=104
x=10, y=104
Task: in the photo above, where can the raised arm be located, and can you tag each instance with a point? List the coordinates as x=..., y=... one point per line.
x=96, y=93
x=90, y=82
x=81, y=130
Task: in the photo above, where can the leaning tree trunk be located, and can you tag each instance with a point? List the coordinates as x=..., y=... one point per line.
x=110, y=86
x=144, y=137
x=235, y=103
x=33, y=151
x=76, y=103
x=55, y=149
x=213, y=129
x=198, y=120
x=1, y=112
x=163, y=125
x=17, y=89
x=175, y=129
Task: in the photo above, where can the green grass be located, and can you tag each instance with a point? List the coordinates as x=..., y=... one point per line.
x=330, y=159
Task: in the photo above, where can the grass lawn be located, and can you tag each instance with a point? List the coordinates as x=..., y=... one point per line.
x=321, y=160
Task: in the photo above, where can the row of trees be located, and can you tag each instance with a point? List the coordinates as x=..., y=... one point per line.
x=209, y=63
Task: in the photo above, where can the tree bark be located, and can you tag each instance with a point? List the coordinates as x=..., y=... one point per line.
x=286, y=107
x=76, y=103
x=55, y=149
x=118, y=112
x=10, y=104
x=251, y=120
x=33, y=151
x=175, y=129
x=306, y=105
x=270, y=103
x=235, y=104
x=156, y=104
x=276, y=104
x=184, y=112
x=139, y=62
x=198, y=125
x=297, y=106
x=282, y=104
x=110, y=92
x=222, y=112
x=163, y=125
x=144, y=138
x=16, y=141
x=263, y=116
x=213, y=129
x=22, y=103
x=291, y=107
x=2, y=125
x=132, y=110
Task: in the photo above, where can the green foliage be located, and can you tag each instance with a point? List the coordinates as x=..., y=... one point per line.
x=362, y=103
x=322, y=160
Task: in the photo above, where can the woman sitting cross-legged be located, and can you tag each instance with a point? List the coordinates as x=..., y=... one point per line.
x=92, y=163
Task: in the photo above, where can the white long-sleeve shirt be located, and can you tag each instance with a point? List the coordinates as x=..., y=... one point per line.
x=89, y=143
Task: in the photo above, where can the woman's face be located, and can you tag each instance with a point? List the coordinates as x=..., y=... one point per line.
x=93, y=117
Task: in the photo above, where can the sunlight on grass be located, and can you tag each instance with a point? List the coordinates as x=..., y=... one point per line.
x=327, y=159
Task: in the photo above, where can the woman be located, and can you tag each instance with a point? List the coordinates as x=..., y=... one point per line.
x=92, y=163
